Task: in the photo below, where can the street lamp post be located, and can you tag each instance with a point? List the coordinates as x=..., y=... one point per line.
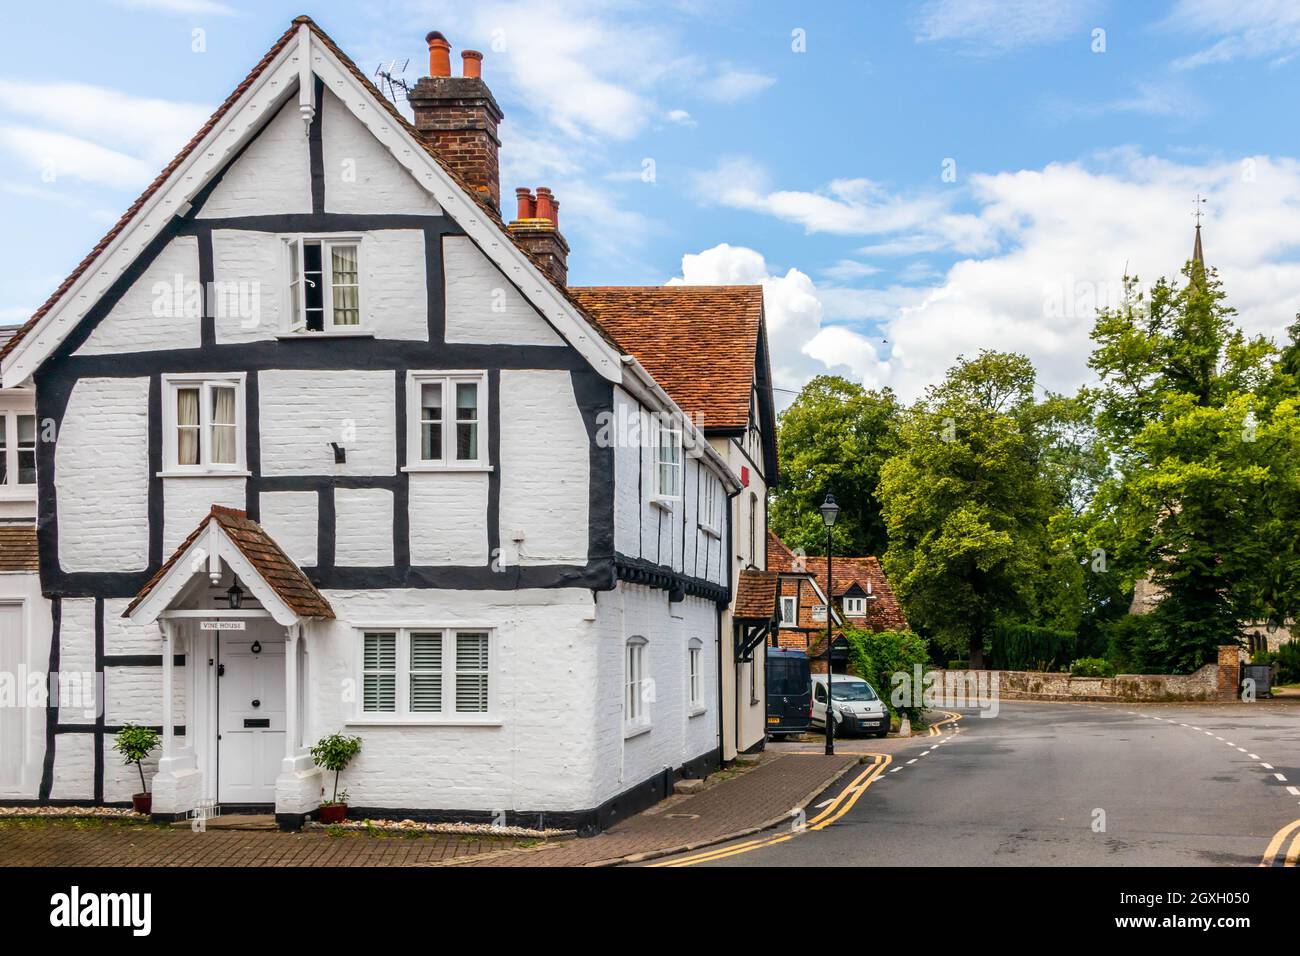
x=830, y=511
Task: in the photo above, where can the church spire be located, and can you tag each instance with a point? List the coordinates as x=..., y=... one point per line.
x=1198, y=255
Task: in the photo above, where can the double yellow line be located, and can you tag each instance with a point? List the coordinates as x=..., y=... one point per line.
x=841, y=805
x=1291, y=831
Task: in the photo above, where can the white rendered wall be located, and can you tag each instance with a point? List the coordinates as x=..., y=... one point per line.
x=537, y=753
x=291, y=518
x=272, y=177
x=363, y=527
x=545, y=469
x=482, y=306
x=161, y=309
x=361, y=175
x=102, y=476
x=188, y=500
x=303, y=411
x=248, y=261
x=448, y=516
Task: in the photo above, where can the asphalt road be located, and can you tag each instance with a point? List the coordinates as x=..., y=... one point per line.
x=1047, y=784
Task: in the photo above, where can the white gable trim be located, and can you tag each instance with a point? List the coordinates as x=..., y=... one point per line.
x=204, y=556
x=240, y=124
x=237, y=127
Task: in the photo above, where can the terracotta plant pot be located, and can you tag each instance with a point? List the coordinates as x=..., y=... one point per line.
x=143, y=803
x=334, y=813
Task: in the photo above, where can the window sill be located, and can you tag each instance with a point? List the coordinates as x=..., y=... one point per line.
x=711, y=531
x=450, y=721
x=206, y=473
x=332, y=334
x=635, y=730
x=696, y=712
x=430, y=468
x=663, y=504
x=18, y=492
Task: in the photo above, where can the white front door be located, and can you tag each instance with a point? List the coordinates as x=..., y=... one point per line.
x=250, y=725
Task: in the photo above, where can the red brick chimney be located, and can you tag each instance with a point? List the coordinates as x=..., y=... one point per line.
x=537, y=229
x=459, y=117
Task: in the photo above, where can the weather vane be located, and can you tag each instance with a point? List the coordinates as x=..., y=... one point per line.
x=1198, y=213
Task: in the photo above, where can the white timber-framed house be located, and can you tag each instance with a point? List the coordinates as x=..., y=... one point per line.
x=332, y=448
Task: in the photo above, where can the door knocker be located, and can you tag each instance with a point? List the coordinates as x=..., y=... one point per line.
x=257, y=647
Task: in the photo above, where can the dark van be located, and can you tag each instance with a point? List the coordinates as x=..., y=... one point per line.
x=789, y=692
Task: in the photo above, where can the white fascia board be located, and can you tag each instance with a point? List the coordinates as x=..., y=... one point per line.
x=241, y=122
x=199, y=558
x=640, y=384
x=508, y=257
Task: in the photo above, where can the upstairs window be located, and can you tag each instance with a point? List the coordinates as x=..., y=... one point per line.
x=709, y=516
x=789, y=610
x=17, y=449
x=446, y=420
x=855, y=607
x=324, y=284
x=668, y=459
x=203, y=424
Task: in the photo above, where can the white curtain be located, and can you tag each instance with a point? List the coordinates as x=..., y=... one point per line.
x=187, y=426
x=347, y=310
x=224, y=430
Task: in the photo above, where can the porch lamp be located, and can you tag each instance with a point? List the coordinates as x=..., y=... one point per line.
x=830, y=512
x=236, y=595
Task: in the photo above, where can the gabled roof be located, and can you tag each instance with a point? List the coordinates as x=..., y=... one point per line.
x=18, y=550
x=492, y=215
x=270, y=563
x=848, y=576
x=701, y=343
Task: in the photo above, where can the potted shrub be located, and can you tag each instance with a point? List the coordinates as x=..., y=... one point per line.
x=135, y=743
x=334, y=753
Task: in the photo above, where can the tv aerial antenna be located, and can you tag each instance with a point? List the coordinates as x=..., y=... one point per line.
x=390, y=80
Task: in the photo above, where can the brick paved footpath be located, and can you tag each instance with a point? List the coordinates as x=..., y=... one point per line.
x=757, y=797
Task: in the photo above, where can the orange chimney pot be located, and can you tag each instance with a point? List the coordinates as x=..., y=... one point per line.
x=527, y=207
x=471, y=63
x=545, y=204
x=439, y=54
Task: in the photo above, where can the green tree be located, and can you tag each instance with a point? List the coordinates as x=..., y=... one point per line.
x=967, y=501
x=1204, y=457
x=834, y=437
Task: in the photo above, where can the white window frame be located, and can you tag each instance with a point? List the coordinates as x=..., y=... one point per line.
x=695, y=676
x=793, y=618
x=327, y=240
x=448, y=380
x=711, y=522
x=11, y=488
x=636, y=678
x=855, y=607
x=659, y=428
x=402, y=714
x=205, y=382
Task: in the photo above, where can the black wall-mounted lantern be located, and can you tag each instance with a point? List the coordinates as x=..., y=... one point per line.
x=236, y=596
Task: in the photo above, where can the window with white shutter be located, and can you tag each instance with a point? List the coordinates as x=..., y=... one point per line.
x=636, y=701
x=426, y=675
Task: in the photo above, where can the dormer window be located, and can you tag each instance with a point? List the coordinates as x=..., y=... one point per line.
x=855, y=607
x=324, y=284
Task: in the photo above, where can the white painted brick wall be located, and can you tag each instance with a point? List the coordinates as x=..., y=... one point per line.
x=291, y=519
x=134, y=695
x=482, y=306
x=361, y=176
x=123, y=637
x=545, y=469
x=273, y=175
x=74, y=767
x=364, y=527
x=254, y=260
x=122, y=781
x=303, y=411
x=539, y=757
x=188, y=500
x=448, y=516
x=102, y=476
x=150, y=315
x=394, y=293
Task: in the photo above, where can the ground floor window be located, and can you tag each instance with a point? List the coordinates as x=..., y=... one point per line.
x=425, y=673
x=695, y=657
x=636, y=701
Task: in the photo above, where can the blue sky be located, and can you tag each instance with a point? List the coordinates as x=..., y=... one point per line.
x=697, y=142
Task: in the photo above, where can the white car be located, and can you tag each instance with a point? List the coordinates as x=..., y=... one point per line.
x=857, y=708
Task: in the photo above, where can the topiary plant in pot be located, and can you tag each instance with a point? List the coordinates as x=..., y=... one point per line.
x=334, y=753
x=135, y=743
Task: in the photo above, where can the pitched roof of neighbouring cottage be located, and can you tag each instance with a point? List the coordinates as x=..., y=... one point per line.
x=18, y=550
x=756, y=595
x=701, y=343
x=268, y=559
x=848, y=574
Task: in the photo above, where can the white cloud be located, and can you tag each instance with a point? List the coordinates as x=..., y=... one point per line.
x=991, y=27
x=802, y=344
x=733, y=84
x=54, y=155
x=210, y=7
x=848, y=269
x=1262, y=28
x=680, y=118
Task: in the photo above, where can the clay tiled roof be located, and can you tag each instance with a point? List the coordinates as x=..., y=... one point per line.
x=271, y=563
x=699, y=342
x=756, y=595
x=18, y=548
x=883, y=610
x=484, y=202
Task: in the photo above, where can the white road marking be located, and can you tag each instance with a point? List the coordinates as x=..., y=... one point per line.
x=912, y=761
x=1280, y=777
x=1253, y=756
x=1266, y=766
x=824, y=803
x=1193, y=727
x=896, y=769
x=1242, y=749
x=1294, y=791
